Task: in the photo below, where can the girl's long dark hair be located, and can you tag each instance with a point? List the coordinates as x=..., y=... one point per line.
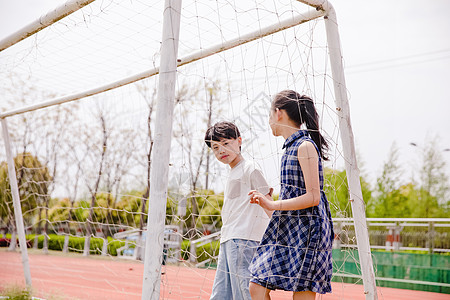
x=301, y=110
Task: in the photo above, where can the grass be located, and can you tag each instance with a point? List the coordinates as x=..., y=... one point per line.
x=18, y=292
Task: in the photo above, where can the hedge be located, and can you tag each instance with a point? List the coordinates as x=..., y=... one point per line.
x=204, y=252
x=76, y=244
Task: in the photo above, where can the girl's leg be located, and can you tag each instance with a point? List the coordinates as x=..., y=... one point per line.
x=259, y=292
x=304, y=295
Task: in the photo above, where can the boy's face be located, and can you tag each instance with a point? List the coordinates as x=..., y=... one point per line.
x=227, y=150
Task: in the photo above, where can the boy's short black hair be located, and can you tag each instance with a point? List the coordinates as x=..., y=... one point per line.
x=221, y=130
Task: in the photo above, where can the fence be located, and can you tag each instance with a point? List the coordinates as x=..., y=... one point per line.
x=420, y=234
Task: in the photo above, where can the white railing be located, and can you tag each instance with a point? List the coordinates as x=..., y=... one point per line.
x=135, y=242
x=395, y=234
x=200, y=242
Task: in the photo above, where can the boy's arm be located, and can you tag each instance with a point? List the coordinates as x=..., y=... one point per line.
x=259, y=183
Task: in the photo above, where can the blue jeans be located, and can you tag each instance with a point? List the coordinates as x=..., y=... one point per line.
x=232, y=275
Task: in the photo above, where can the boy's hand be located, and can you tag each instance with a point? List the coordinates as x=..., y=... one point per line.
x=265, y=201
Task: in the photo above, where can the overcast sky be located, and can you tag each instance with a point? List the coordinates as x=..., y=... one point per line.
x=397, y=59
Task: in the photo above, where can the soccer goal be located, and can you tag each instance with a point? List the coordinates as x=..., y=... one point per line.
x=104, y=108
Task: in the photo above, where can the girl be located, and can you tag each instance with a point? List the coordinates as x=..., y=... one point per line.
x=295, y=251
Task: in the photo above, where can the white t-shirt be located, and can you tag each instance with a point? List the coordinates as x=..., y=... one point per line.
x=240, y=218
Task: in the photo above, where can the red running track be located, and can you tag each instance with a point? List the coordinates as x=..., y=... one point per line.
x=76, y=277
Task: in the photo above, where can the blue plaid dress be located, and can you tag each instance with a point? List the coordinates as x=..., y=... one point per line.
x=295, y=251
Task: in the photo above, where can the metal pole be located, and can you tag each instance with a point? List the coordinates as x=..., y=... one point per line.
x=17, y=208
x=161, y=152
x=44, y=21
x=348, y=144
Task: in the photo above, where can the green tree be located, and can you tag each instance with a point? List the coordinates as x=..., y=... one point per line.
x=29, y=132
x=211, y=208
x=127, y=209
x=432, y=194
x=6, y=205
x=59, y=212
x=33, y=179
x=420, y=204
x=102, y=207
x=80, y=211
x=336, y=189
x=390, y=200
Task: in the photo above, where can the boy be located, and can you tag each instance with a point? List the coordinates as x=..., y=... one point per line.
x=243, y=223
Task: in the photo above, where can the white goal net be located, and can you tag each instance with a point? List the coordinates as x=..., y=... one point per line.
x=84, y=167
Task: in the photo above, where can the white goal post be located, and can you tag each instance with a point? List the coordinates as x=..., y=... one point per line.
x=167, y=71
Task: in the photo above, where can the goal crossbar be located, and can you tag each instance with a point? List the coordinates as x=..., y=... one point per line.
x=197, y=55
x=46, y=20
